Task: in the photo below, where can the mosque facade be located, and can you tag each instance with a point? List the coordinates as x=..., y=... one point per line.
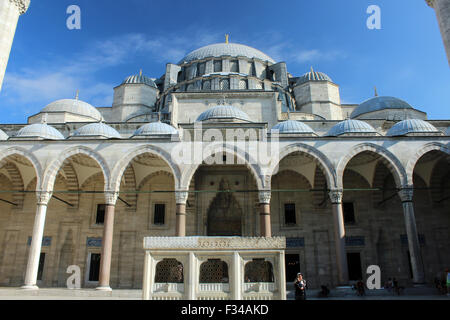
x=347, y=185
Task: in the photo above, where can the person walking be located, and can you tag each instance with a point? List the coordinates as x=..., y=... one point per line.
x=300, y=287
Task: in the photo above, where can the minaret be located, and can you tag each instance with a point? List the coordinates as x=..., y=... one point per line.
x=10, y=10
x=442, y=8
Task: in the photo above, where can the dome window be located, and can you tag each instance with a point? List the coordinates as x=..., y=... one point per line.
x=224, y=84
x=243, y=84
x=218, y=66
x=207, y=85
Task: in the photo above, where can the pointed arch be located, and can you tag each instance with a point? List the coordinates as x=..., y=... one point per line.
x=4, y=154
x=390, y=160
x=123, y=163
x=434, y=146
x=57, y=164
x=321, y=160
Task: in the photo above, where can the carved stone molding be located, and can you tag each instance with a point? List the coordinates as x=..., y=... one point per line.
x=111, y=198
x=43, y=197
x=336, y=196
x=406, y=194
x=213, y=243
x=22, y=5
x=265, y=196
x=181, y=197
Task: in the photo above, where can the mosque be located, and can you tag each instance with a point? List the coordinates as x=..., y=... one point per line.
x=349, y=186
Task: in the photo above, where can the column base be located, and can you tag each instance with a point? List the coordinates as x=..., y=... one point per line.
x=27, y=287
x=104, y=289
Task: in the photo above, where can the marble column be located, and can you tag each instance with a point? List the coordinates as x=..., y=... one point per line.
x=192, y=280
x=264, y=213
x=406, y=195
x=181, y=200
x=339, y=236
x=236, y=279
x=107, y=241
x=442, y=9
x=34, y=255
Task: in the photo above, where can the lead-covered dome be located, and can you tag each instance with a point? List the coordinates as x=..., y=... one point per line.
x=140, y=79
x=223, y=113
x=413, y=127
x=293, y=127
x=226, y=49
x=313, y=76
x=75, y=107
x=378, y=104
x=155, y=129
x=39, y=131
x=351, y=127
x=97, y=130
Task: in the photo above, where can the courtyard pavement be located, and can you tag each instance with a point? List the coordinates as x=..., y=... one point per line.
x=92, y=294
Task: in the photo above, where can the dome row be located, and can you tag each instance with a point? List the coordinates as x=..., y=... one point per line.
x=103, y=131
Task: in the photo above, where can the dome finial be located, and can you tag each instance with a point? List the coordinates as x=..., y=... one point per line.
x=312, y=70
x=77, y=95
x=376, y=91
x=227, y=38
x=140, y=73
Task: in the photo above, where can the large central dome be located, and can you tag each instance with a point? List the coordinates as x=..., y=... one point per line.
x=225, y=49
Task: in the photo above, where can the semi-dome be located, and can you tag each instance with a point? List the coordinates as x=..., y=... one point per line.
x=155, y=128
x=294, y=127
x=351, y=127
x=39, y=131
x=226, y=49
x=3, y=136
x=98, y=129
x=412, y=126
x=313, y=76
x=140, y=79
x=223, y=112
x=74, y=106
x=380, y=103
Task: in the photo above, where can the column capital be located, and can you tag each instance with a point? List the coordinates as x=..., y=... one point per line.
x=43, y=197
x=406, y=193
x=265, y=196
x=430, y=3
x=181, y=197
x=111, y=197
x=22, y=5
x=336, y=196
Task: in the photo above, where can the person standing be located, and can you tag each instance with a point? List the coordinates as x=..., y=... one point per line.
x=300, y=287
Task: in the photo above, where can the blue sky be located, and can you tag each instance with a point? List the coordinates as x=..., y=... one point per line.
x=406, y=58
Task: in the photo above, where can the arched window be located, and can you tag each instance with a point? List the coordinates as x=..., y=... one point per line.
x=259, y=85
x=234, y=66
x=218, y=66
x=207, y=85
x=243, y=84
x=258, y=270
x=214, y=271
x=201, y=69
x=224, y=84
x=169, y=271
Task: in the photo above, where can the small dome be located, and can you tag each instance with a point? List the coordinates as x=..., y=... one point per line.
x=379, y=103
x=98, y=129
x=351, y=127
x=412, y=126
x=140, y=79
x=3, y=136
x=155, y=128
x=39, y=131
x=223, y=113
x=313, y=76
x=74, y=106
x=292, y=126
x=225, y=49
